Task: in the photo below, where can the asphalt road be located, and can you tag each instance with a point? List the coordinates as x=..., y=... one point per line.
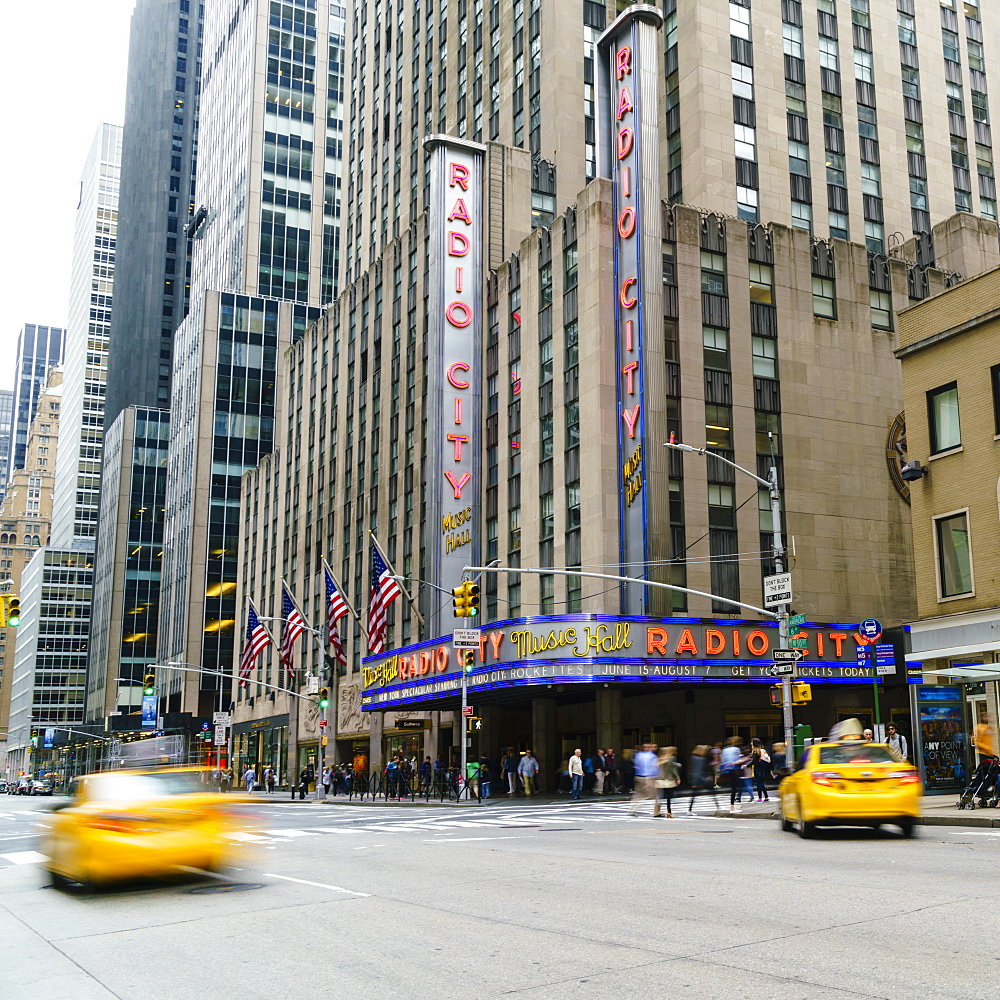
x=535, y=902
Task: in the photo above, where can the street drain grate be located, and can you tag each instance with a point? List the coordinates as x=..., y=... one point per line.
x=215, y=887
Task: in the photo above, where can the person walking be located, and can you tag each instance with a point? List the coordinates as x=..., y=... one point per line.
x=701, y=776
x=610, y=770
x=269, y=778
x=576, y=773
x=327, y=779
x=715, y=760
x=599, y=769
x=669, y=779
x=303, y=783
x=425, y=774
x=250, y=779
x=509, y=766
x=896, y=742
x=647, y=770
x=527, y=770
x=731, y=763
x=779, y=761
x=760, y=765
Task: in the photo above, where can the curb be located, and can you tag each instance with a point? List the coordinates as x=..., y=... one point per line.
x=992, y=822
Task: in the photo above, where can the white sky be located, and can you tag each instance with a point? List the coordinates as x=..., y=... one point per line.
x=65, y=62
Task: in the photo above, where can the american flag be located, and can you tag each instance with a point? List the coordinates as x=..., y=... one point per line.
x=384, y=591
x=336, y=608
x=294, y=625
x=257, y=640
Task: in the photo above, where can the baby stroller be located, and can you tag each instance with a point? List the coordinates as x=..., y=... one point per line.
x=983, y=785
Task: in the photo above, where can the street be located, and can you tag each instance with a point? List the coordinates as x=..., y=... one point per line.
x=539, y=901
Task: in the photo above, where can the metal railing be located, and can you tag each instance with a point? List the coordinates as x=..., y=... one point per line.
x=401, y=785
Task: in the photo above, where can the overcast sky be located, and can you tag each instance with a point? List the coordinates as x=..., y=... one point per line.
x=65, y=63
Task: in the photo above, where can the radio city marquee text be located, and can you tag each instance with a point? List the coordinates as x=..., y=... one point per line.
x=627, y=640
x=629, y=288
x=459, y=314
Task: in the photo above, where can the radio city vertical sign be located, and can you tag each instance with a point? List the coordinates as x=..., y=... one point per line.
x=629, y=156
x=454, y=323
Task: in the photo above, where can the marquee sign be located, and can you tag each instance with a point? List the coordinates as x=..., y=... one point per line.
x=455, y=266
x=630, y=156
x=586, y=648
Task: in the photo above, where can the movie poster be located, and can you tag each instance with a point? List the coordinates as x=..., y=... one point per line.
x=943, y=740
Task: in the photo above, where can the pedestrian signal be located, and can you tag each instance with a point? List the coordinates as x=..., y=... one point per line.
x=801, y=693
x=473, y=724
x=776, y=694
x=465, y=600
x=324, y=697
x=149, y=684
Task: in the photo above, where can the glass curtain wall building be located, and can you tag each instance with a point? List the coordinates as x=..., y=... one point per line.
x=39, y=348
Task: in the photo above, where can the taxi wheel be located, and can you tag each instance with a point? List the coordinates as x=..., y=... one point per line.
x=907, y=826
x=786, y=824
x=59, y=882
x=806, y=830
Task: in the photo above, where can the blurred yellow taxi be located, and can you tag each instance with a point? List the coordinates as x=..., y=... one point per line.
x=120, y=825
x=850, y=784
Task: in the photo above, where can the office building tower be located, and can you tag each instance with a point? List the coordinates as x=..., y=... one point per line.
x=159, y=153
x=6, y=428
x=25, y=518
x=264, y=260
x=617, y=317
x=39, y=348
x=78, y=463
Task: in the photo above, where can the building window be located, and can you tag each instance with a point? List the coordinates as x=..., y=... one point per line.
x=954, y=554
x=718, y=426
x=995, y=382
x=716, y=343
x=765, y=357
x=713, y=272
x=881, y=303
x=761, y=283
x=942, y=417
x=824, y=297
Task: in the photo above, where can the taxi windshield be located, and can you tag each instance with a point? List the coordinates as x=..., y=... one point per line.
x=125, y=787
x=855, y=753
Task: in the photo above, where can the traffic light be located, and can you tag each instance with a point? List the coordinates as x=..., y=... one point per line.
x=801, y=693
x=13, y=609
x=149, y=684
x=465, y=599
x=776, y=694
x=468, y=660
x=473, y=724
x=324, y=697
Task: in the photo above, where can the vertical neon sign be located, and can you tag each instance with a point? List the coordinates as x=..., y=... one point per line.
x=630, y=157
x=454, y=308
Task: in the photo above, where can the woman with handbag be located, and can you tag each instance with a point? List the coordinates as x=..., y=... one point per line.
x=669, y=779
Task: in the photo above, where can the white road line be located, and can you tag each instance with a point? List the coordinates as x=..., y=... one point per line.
x=319, y=885
x=290, y=833
x=975, y=833
x=462, y=840
x=249, y=838
x=25, y=857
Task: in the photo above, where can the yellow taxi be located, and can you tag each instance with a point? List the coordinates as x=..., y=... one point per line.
x=850, y=783
x=121, y=825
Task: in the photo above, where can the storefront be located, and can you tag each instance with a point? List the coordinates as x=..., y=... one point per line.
x=261, y=743
x=554, y=683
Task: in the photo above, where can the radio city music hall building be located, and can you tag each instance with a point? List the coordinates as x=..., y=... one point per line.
x=497, y=381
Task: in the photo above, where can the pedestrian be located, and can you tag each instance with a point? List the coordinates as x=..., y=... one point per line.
x=760, y=765
x=599, y=768
x=472, y=772
x=327, y=779
x=731, y=763
x=669, y=779
x=576, y=772
x=485, y=776
x=250, y=778
x=527, y=770
x=896, y=742
x=715, y=757
x=304, y=776
x=269, y=779
x=647, y=770
x=701, y=777
x=779, y=761
x=509, y=766
x=868, y=736
x=588, y=773
x=425, y=774
x=626, y=771
x=348, y=773
x=610, y=770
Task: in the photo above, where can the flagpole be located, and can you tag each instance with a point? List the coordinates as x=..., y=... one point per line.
x=392, y=572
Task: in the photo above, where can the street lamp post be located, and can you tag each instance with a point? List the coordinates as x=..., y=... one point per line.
x=778, y=543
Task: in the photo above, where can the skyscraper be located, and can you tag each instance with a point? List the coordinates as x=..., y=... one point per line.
x=6, y=429
x=81, y=439
x=651, y=272
x=159, y=153
x=264, y=260
x=39, y=348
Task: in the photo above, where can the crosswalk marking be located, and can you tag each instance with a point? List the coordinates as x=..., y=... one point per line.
x=24, y=857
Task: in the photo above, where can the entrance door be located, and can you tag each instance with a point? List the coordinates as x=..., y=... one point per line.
x=979, y=715
x=766, y=726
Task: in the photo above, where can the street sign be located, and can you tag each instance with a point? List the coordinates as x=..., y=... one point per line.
x=802, y=643
x=465, y=638
x=777, y=589
x=881, y=655
x=221, y=719
x=468, y=710
x=312, y=684
x=870, y=628
x=794, y=621
x=323, y=723
x=787, y=655
x=220, y=736
x=782, y=669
